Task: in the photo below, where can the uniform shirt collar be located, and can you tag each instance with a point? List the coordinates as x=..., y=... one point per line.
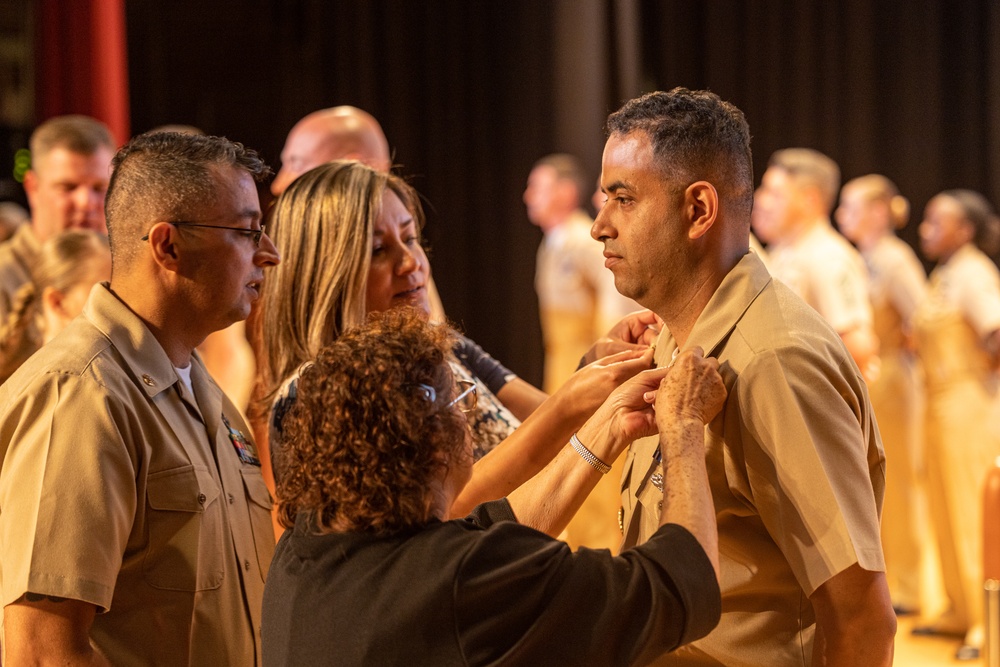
x=734, y=295
x=141, y=352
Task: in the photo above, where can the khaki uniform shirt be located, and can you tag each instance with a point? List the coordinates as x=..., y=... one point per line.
x=17, y=255
x=827, y=273
x=794, y=462
x=761, y=253
x=121, y=488
x=577, y=297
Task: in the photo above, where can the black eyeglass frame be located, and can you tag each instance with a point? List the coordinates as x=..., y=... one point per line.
x=253, y=234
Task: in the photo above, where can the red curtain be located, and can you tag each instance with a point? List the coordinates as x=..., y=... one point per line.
x=80, y=55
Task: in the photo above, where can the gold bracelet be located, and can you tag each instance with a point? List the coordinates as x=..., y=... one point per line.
x=589, y=456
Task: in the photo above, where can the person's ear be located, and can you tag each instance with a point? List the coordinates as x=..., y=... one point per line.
x=701, y=203
x=52, y=301
x=966, y=232
x=162, y=241
x=30, y=185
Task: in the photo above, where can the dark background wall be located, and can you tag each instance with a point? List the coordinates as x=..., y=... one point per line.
x=471, y=93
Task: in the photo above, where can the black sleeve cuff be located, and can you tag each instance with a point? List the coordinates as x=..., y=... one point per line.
x=495, y=511
x=679, y=554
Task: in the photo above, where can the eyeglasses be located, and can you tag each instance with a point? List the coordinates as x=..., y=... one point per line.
x=466, y=400
x=253, y=234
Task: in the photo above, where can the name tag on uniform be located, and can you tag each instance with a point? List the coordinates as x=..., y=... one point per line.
x=244, y=448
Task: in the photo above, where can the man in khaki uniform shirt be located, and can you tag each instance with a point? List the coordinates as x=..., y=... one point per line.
x=134, y=521
x=577, y=299
x=793, y=207
x=578, y=303
x=794, y=460
x=66, y=185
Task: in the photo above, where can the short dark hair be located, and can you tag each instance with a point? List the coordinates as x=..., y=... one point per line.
x=166, y=176
x=696, y=135
x=363, y=442
x=75, y=133
x=982, y=216
x=569, y=168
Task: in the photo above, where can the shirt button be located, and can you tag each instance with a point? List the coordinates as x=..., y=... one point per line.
x=202, y=498
x=148, y=380
x=246, y=565
x=231, y=499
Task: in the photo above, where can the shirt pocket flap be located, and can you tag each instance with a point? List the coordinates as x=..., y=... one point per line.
x=257, y=490
x=179, y=490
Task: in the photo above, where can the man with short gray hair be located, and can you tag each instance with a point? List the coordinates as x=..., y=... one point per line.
x=135, y=525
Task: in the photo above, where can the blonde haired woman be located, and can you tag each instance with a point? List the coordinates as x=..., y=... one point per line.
x=67, y=267
x=958, y=336
x=350, y=242
x=870, y=211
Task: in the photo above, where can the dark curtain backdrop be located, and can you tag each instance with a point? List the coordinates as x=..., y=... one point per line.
x=471, y=93
x=905, y=88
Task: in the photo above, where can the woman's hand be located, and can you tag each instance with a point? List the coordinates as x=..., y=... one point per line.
x=635, y=331
x=628, y=414
x=588, y=388
x=692, y=390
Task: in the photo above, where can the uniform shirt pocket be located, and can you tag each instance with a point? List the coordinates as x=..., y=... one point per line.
x=186, y=529
x=259, y=505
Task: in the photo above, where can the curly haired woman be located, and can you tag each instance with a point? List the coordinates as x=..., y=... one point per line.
x=372, y=572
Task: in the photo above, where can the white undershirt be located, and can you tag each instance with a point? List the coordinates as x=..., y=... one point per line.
x=185, y=376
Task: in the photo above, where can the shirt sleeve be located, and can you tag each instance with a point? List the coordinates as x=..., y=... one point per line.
x=907, y=286
x=979, y=290
x=840, y=289
x=67, y=491
x=487, y=369
x=525, y=598
x=495, y=511
x=813, y=461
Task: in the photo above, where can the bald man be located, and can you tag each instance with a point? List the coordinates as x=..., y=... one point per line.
x=338, y=133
